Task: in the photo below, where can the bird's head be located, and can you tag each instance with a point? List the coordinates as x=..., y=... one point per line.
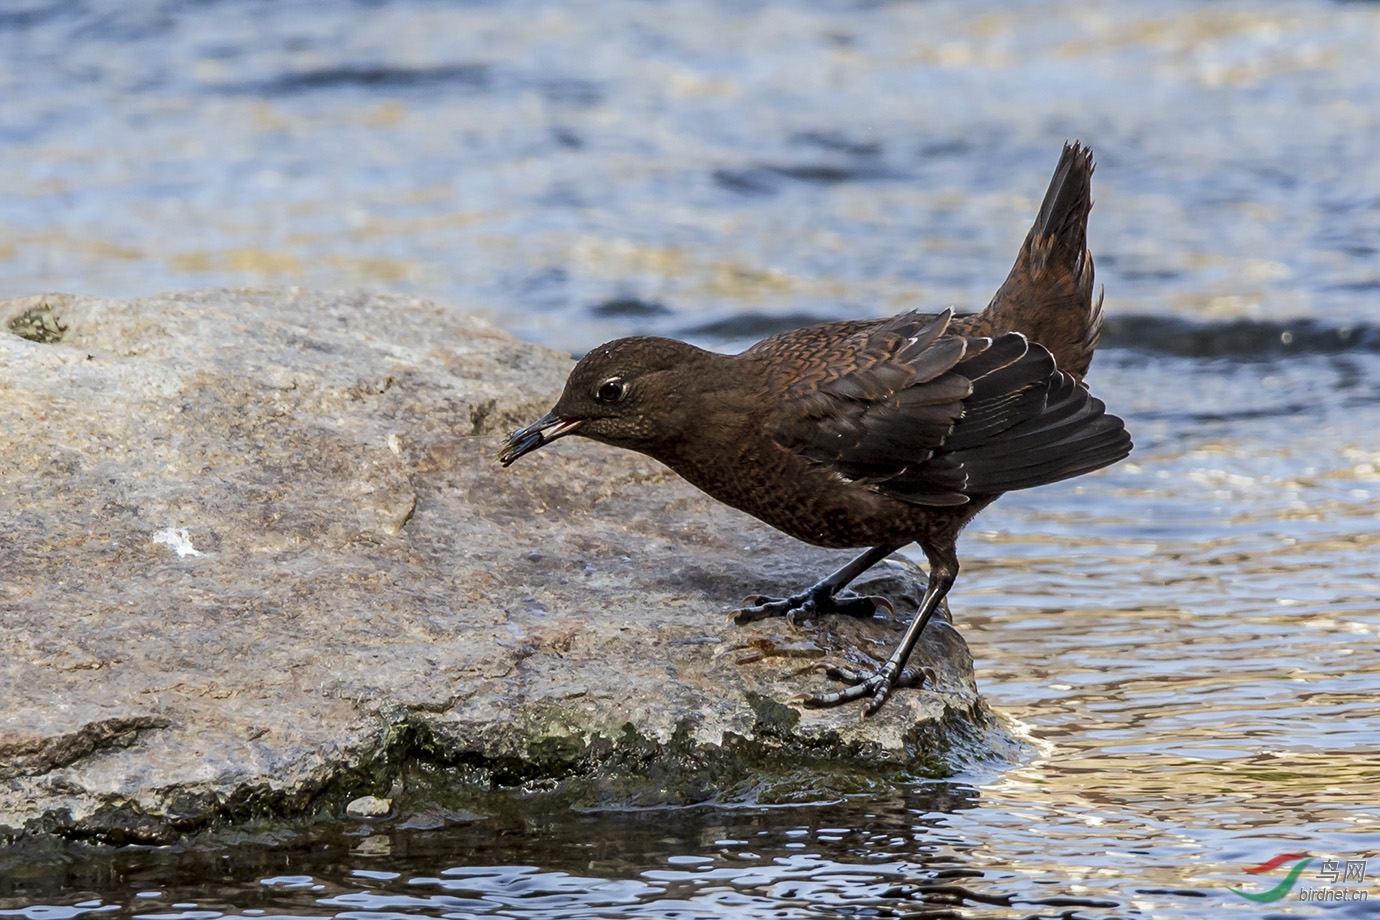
x=629, y=393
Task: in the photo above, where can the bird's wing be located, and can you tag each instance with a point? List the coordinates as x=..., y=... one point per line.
x=880, y=403
x=933, y=418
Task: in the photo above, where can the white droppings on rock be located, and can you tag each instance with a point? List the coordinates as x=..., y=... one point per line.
x=179, y=539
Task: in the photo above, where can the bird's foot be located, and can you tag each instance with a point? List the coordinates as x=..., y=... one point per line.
x=878, y=686
x=816, y=601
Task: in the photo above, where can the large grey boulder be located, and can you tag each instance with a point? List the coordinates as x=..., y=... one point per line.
x=256, y=558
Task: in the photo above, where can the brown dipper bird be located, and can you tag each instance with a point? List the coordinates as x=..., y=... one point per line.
x=873, y=433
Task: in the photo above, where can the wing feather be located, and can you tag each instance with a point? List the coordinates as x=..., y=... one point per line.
x=929, y=417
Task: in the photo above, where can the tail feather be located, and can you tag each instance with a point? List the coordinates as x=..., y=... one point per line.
x=1049, y=293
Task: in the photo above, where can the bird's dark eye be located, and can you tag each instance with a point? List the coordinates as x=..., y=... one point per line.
x=611, y=390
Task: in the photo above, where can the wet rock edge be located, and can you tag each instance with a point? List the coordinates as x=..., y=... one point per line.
x=424, y=768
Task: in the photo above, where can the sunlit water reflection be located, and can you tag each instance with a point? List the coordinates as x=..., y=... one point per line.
x=1188, y=640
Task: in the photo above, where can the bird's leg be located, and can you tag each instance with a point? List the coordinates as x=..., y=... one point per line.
x=823, y=597
x=894, y=673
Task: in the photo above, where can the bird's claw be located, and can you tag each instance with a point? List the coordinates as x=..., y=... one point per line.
x=847, y=675
x=878, y=686
x=810, y=603
x=881, y=603
x=759, y=607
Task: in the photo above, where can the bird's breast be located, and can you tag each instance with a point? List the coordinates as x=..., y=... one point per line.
x=801, y=498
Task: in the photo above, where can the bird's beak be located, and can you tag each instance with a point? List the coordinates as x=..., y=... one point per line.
x=543, y=431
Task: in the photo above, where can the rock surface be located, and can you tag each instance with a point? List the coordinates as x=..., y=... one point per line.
x=258, y=560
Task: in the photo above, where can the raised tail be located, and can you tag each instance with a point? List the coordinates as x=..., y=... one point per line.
x=1048, y=295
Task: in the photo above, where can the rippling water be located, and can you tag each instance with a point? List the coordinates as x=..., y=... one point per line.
x=1188, y=640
